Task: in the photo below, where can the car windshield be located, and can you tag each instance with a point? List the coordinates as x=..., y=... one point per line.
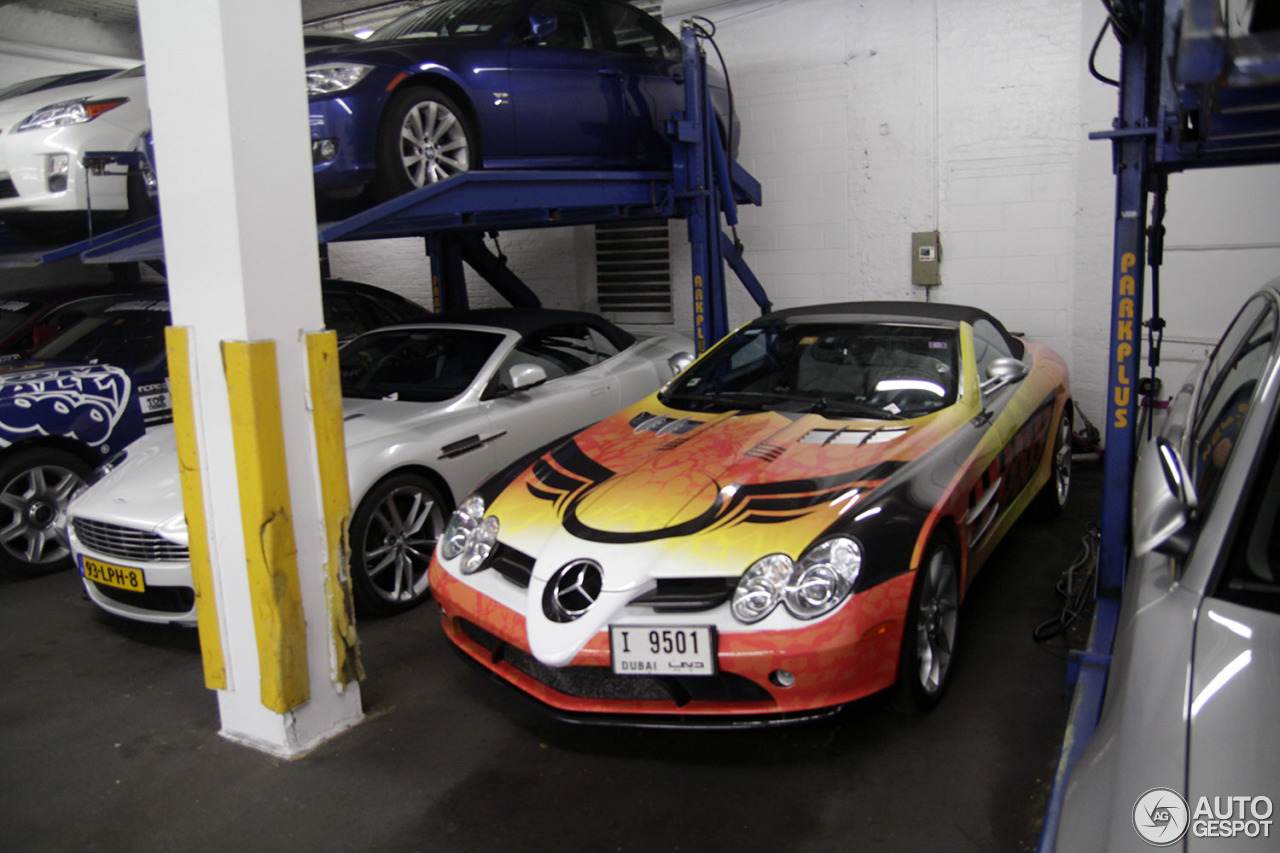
x=870, y=370
x=419, y=365
x=450, y=19
x=128, y=334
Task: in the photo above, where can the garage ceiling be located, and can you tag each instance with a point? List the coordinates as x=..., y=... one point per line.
x=125, y=12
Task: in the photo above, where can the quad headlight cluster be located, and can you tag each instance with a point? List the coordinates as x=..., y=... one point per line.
x=470, y=534
x=808, y=588
x=334, y=77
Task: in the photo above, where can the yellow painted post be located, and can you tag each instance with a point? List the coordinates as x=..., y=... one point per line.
x=178, y=344
x=257, y=429
x=335, y=497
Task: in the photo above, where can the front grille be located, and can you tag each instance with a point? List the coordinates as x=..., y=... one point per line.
x=7, y=189
x=127, y=543
x=599, y=682
x=515, y=566
x=161, y=599
x=687, y=595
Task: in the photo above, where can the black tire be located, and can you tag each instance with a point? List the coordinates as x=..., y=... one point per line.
x=393, y=534
x=929, y=636
x=35, y=487
x=1051, y=501
x=424, y=138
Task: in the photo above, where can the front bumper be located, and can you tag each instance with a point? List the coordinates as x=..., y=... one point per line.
x=168, y=599
x=24, y=162
x=351, y=122
x=847, y=656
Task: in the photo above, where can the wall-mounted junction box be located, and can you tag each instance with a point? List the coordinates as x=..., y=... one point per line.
x=926, y=258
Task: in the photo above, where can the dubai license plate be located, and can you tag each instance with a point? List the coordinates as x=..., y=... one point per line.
x=121, y=577
x=662, y=649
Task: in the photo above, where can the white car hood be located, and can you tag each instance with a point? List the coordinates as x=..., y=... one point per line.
x=145, y=491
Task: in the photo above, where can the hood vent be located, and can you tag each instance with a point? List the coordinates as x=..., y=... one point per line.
x=857, y=437
x=663, y=425
x=766, y=452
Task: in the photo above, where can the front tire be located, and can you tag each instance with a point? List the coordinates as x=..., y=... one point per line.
x=424, y=138
x=393, y=534
x=35, y=487
x=929, y=636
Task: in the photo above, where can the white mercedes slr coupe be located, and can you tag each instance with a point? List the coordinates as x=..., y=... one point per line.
x=430, y=409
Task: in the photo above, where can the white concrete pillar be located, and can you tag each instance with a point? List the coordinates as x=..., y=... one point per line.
x=257, y=405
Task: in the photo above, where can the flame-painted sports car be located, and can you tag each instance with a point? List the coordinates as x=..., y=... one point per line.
x=787, y=526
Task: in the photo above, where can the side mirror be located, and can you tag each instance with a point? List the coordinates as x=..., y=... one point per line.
x=542, y=24
x=526, y=376
x=1164, y=499
x=1002, y=372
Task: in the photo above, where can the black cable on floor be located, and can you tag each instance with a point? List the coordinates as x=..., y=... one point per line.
x=1075, y=585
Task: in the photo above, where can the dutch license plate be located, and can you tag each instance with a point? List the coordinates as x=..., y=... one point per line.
x=121, y=577
x=662, y=650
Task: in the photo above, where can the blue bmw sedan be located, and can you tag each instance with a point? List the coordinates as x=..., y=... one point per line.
x=460, y=84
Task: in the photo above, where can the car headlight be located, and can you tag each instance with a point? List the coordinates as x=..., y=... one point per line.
x=112, y=462
x=761, y=588
x=470, y=535
x=823, y=577
x=68, y=112
x=815, y=585
x=335, y=77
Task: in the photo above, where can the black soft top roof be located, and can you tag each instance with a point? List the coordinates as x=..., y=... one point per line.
x=932, y=312
x=528, y=321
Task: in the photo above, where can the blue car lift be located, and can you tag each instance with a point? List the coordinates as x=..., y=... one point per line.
x=703, y=187
x=1193, y=94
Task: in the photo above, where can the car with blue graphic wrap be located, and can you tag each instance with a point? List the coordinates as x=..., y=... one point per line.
x=95, y=388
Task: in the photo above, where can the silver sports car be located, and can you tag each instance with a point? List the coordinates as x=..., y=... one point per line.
x=1184, y=754
x=430, y=409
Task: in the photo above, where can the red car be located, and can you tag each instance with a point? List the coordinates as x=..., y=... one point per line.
x=788, y=526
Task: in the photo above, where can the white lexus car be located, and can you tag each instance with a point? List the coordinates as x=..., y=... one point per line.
x=44, y=136
x=430, y=409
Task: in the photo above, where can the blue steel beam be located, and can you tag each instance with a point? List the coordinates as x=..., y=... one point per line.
x=485, y=200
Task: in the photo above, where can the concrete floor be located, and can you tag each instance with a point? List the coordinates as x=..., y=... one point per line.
x=108, y=742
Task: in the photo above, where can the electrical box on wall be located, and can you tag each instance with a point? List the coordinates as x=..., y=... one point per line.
x=926, y=258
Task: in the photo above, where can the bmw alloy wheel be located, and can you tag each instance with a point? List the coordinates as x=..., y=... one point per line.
x=425, y=138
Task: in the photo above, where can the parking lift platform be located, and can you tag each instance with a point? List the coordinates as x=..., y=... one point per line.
x=704, y=187
x=1199, y=88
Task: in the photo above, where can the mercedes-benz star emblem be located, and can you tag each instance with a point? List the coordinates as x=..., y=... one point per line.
x=572, y=590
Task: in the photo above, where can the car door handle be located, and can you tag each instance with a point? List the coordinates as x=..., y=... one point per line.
x=596, y=392
x=610, y=72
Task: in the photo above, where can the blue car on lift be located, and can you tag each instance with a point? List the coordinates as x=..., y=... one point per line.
x=461, y=84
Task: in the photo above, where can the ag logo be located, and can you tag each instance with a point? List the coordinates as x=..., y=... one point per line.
x=1160, y=817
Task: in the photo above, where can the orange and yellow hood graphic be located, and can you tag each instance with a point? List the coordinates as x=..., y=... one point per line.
x=741, y=484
